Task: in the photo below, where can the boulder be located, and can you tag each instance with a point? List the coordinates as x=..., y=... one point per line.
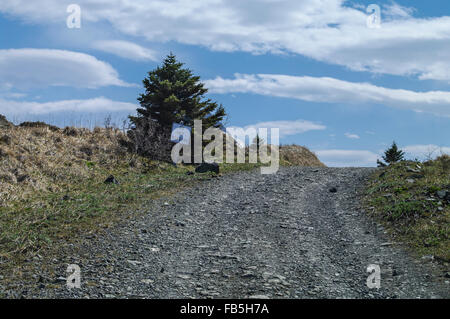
x=207, y=167
x=111, y=180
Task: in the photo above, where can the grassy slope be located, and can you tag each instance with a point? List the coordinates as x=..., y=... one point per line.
x=52, y=190
x=404, y=198
x=298, y=156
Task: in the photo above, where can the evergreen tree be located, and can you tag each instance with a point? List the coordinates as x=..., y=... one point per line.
x=174, y=95
x=393, y=154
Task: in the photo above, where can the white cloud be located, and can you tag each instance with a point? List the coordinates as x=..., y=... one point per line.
x=395, y=11
x=27, y=68
x=326, y=30
x=347, y=158
x=324, y=89
x=126, y=49
x=424, y=151
x=286, y=128
x=99, y=104
x=12, y=95
x=352, y=136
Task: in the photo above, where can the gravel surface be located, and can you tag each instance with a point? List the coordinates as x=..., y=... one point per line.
x=246, y=235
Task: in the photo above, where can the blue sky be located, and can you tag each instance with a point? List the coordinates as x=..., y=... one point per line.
x=315, y=69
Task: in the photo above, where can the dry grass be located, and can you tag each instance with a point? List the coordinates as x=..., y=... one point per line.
x=298, y=156
x=43, y=158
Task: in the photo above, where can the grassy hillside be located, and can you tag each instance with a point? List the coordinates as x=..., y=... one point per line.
x=52, y=183
x=298, y=156
x=412, y=200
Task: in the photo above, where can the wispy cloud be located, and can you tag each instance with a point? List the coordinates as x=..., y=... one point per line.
x=288, y=128
x=12, y=95
x=352, y=136
x=325, y=89
x=126, y=49
x=396, y=11
x=425, y=151
x=347, y=158
x=29, y=68
x=99, y=104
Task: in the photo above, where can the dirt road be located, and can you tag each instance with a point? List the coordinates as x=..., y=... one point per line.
x=248, y=235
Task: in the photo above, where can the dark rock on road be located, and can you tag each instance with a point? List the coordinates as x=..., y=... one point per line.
x=207, y=167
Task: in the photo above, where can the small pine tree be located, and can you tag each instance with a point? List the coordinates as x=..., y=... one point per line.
x=393, y=154
x=174, y=95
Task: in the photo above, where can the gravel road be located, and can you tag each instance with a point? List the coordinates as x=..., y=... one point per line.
x=247, y=235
